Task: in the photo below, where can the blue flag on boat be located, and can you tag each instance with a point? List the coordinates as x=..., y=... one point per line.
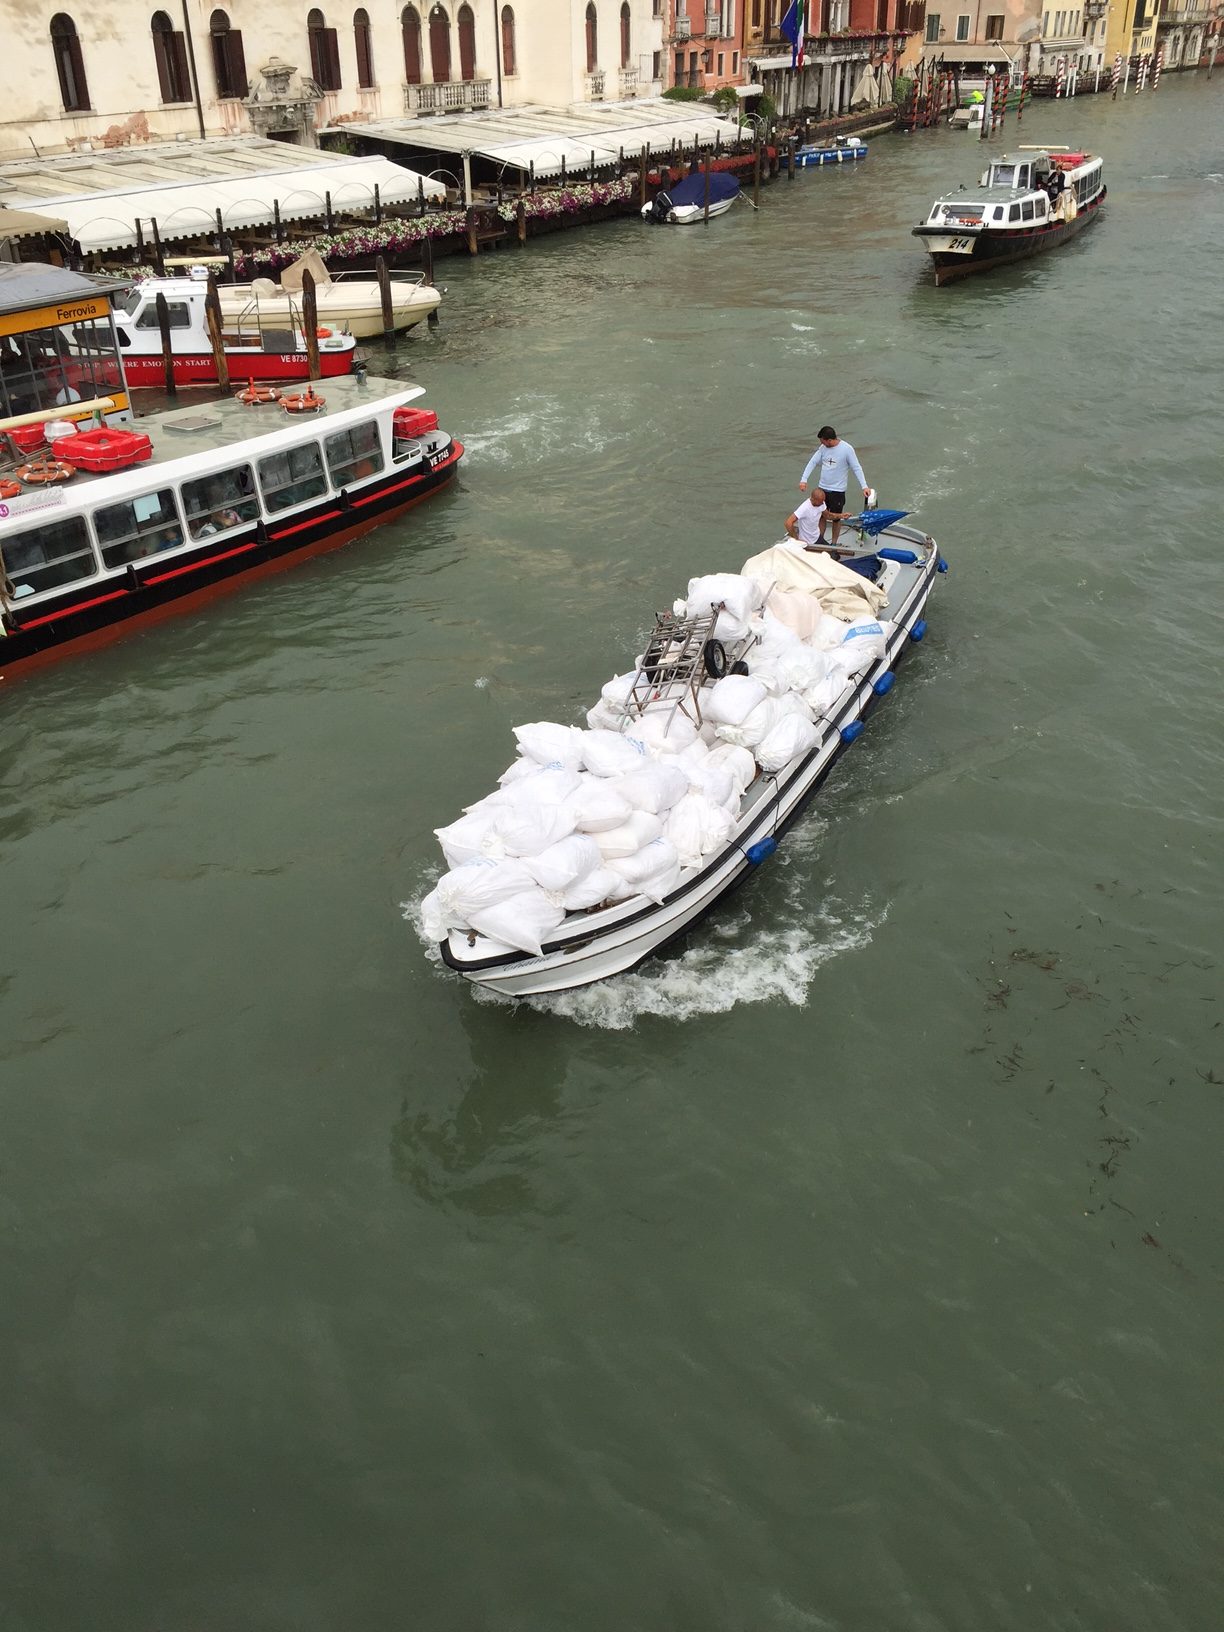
x=793, y=29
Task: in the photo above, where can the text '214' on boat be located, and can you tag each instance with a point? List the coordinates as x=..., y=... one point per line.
x=601, y=845
x=104, y=527
x=1027, y=203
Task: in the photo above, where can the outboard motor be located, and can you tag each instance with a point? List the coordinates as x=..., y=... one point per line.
x=661, y=208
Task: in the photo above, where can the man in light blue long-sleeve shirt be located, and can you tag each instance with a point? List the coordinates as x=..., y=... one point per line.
x=837, y=459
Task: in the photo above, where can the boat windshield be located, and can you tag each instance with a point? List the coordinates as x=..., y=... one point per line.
x=1004, y=175
x=130, y=303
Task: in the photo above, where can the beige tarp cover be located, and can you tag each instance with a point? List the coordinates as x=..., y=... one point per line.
x=312, y=262
x=806, y=584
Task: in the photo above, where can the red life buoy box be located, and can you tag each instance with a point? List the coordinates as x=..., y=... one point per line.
x=409, y=422
x=104, y=449
x=27, y=438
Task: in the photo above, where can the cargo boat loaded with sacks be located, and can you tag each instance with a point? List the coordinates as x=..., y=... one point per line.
x=601, y=845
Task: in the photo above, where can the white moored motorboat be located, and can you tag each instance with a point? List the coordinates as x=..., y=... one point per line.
x=350, y=301
x=814, y=689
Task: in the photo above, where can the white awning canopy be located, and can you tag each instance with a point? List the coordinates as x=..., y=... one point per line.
x=102, y=198
x=546, y=140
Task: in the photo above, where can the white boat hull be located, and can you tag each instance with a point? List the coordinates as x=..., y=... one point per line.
x=617, y=939
x=685, y=215
x=350, y=305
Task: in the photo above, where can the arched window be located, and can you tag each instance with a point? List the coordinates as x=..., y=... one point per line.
x=507, y=27
x=439, y=45
x=467, y=43
x=365, y=49
x=592, y=38
x=170, y=53
x=324, y=52
x=410, y=25
x=229, y=64
x=66, y=49
x=625, y=34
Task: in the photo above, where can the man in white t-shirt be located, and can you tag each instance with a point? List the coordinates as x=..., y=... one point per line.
x=806, y=522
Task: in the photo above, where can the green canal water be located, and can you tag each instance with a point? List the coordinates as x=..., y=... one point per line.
x=855, y=1268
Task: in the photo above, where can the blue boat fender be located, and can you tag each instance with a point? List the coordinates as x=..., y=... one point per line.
x=919, y=629
x=884, y=684
x=943, y=565
x=761, y=850
x=852, y=732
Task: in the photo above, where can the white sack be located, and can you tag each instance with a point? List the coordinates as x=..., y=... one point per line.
x=828, y=634
x=525, y=830
x=616, y=694
x=549, y=785
x=646, y=864
x=792, y=735
x=481, y=882
x=592, y=891
x=617, y=842
x=522, y=922
x=655, y=787
x=665, y=730
x=603, y=718
x=472, y=835
x=758, y=724
x=741, y=596
x=730, y=700
x=697, y=826
x=715, y=783
x=865, y=635
x=608, y=753
x=738, y=761
x=545, y=742
x=435, y=919
x=564, y=863
x=597, y=806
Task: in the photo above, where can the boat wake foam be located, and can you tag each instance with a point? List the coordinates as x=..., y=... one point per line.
x=777, y=965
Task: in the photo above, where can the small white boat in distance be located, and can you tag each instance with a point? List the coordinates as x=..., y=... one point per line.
x=343, y=300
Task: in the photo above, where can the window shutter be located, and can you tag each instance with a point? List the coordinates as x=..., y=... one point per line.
x=236, y=63
x=331, y=50
x=180, y=74
x=161, y=51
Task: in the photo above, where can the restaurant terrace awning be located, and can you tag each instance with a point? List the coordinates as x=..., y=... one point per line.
x=101, y=197
x=963, y=51
x=21, y=224
x=545, y=140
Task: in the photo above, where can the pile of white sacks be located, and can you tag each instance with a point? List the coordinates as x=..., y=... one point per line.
x=587, y=818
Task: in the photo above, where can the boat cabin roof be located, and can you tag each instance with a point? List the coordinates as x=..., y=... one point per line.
x=211, y=431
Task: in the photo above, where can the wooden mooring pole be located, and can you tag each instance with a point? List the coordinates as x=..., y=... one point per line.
x=212, y=314
x=163, y=328
x=310, y=324
x=384, y=297
x=705, y=214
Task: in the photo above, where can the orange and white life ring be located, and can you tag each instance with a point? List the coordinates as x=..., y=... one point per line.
x=303, y=402
x=259, y=393
x=323, y=334
x=45, y=470
x=9, y=489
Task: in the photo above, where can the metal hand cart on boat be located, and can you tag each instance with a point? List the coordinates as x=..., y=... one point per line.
x=681, y=654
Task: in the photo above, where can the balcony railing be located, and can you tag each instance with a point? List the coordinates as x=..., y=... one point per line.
x=595, y=85
x=629, y=82
x=452, y=96
x=850, y=45
x=1185, y=14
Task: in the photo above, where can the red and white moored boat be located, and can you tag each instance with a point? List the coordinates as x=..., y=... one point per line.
x=260, y=345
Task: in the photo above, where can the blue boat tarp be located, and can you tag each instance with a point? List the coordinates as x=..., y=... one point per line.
x=692, y=189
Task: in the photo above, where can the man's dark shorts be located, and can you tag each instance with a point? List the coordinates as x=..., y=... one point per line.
x=836, y=502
